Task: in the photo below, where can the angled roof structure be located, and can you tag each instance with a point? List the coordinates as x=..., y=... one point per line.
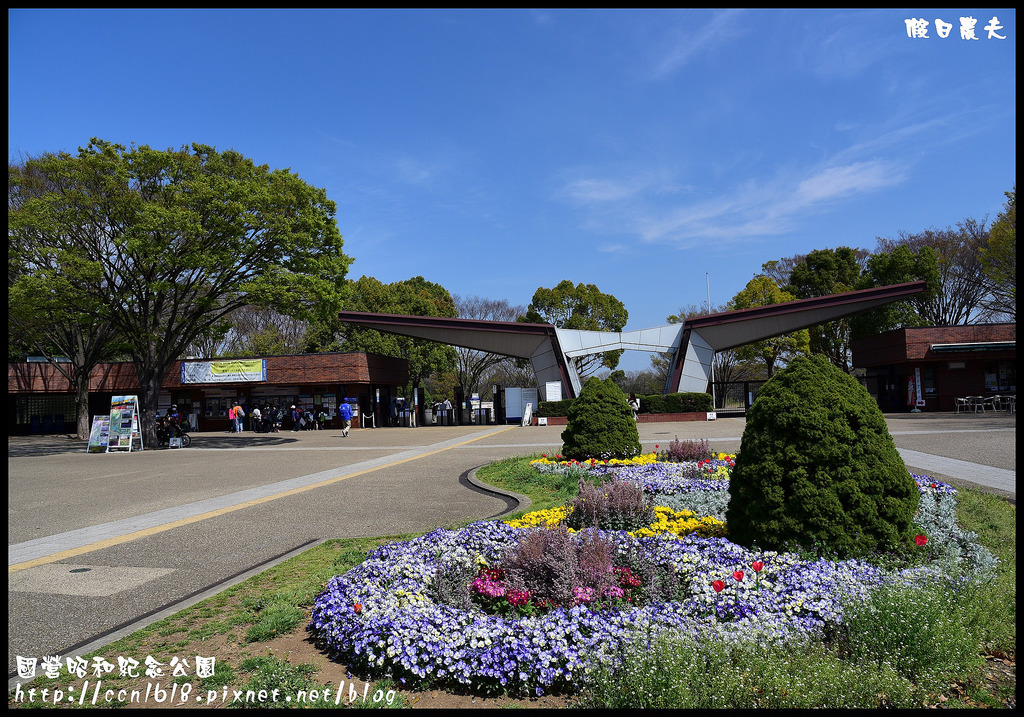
x=693, y=343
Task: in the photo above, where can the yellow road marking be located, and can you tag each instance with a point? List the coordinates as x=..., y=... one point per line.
x=146, y=532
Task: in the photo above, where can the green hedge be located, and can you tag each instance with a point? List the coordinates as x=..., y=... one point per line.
x=554, y=408
x=672, y=403
x=676, y=403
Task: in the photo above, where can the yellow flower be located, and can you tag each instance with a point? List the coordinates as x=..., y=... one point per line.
x=680, y=524
x=549, y=518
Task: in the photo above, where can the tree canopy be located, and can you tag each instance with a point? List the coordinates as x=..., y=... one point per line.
x=896, y=266
x=821, y=273
x=962, y=292
x=763, y=291
x=584, y=307
x=414, y=297
x=164, y=244
x=999, y=260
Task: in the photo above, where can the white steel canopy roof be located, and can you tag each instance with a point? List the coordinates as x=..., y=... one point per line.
x=693, y=342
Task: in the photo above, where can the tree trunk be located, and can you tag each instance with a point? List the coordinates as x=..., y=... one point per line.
x=84, y=427
x=149, y=404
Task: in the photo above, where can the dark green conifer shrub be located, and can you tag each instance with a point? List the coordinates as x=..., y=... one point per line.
x=600, y=424
x=818, y=469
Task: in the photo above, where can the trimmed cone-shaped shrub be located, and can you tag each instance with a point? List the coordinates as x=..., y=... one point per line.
x=818, y=469
x=600, y=424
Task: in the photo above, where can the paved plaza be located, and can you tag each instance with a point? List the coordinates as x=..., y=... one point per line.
x=102, y=544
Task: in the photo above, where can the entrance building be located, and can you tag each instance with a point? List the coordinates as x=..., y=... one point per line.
x=929, y=368
x=41, y=400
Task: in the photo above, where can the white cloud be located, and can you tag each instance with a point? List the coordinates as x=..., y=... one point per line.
x=691, y=43
x=836, y=182
x=756, y=208
x=602, y=191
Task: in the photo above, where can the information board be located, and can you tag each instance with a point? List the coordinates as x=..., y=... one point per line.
x=99, y=434
x=124, y=424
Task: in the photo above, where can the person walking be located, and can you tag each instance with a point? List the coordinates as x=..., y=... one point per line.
x=239, y=418
x=231, y=419
x=345, y=414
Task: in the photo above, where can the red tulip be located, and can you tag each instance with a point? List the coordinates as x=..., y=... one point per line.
x=738, y=575
x=718, y=585
x=920, y=539
x=358, y=608
x=757, y=565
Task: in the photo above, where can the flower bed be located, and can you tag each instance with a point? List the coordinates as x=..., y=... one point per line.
x=382, y=615
x=436, y=610
x=667, y=522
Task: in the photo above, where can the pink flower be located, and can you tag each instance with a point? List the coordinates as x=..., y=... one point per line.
x=614, y=592
x=921, y=539
x=718, y=585
x=488, y=588
x=583, y=594
x=738, y=574
x=517, y=598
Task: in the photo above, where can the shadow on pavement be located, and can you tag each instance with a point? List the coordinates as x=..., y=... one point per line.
x=56, y=445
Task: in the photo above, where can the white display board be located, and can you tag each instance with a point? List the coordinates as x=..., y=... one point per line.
x=553, y=391
x=516, y=400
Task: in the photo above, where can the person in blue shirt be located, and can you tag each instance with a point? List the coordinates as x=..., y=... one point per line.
x=345, y=414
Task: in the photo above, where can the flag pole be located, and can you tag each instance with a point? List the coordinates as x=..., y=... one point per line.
x=714, y=401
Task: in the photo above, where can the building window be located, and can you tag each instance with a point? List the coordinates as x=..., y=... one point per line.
x=928, y=382
x=1000, y=376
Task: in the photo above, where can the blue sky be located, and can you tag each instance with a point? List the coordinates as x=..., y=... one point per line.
x=495, y=152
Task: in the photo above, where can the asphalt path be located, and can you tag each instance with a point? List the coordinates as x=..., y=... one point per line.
x=100, y=545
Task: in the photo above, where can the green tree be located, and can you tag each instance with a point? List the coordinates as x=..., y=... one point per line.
x=963, y=292
x=821, y=273
x=600, y=424
x=818, y=468
x=413, y=297
x=899, y=265
x=999, y=260
x=169, y=242
x=583, y=307
x=46, y=314
x=763, y=291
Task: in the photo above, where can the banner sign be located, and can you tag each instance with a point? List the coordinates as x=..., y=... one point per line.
x=228, y=371
x=99, y=434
